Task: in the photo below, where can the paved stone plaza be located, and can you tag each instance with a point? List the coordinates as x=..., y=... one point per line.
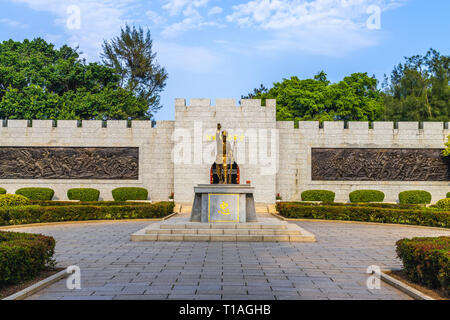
x=113, y=267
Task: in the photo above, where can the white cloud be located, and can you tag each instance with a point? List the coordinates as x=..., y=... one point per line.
x=175, y=7
x=192, y=19
x=100, y=20
x=13, y=23
x=155, y=18
x=331, y=27
x=215, y=10
x=192, y=59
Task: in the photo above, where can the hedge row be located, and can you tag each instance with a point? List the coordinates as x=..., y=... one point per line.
x=37, y=193
x=318, y=195
x=23, y=256
x=359, y=196
x=82, y=194
x=422, y=217
x=366, y=196
x=426, y=261
x=40, y=214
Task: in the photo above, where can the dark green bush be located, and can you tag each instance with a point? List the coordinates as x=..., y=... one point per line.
x=360, y=196
x=125, y=194
x=421, y=217
x=443, y=204
x=415, y=197
x=83, y=194
x=318, y=195
x=11, y=200
x=448, y=195
x=37, y=193
x=426, y=261
x=2, y=191
x=23, y=256
x=40, y=214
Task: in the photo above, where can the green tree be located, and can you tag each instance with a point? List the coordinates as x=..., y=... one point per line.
x=38, y=81
x=131, y=55
x=355, y=98
x=418, y=90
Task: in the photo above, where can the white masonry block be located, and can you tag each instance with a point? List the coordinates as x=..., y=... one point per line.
x=42, y=123
x=200, y=102
x=17, y=123
x=225, y=102
x=67, y=123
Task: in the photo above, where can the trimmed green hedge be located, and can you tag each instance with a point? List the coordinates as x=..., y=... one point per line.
x=421, y=217
x=2, y=191
x=23, y=256
x=83, y=194
x=37, y=193
x=87, y=203
x=361, y=196
x=415, y=197
x=448, y=195
x=368, y=204
x=318, y=195
x=11, y=200
x=40, y=214
x=124, y=194
x=426, y=261
x=443, y=204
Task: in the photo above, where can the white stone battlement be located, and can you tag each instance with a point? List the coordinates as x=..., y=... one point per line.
x=244, y=103
x=385, y=127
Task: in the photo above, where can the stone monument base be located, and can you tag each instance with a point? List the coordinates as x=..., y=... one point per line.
x=267, y=229
x=223, y=203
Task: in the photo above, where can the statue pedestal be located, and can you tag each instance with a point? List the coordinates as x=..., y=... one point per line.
x=223, y=203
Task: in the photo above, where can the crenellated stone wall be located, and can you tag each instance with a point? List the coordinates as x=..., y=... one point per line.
x=176, y=155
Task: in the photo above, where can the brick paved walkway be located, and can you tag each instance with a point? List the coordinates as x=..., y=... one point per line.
x=113, y=267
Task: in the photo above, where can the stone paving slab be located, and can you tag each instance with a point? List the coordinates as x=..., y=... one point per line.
x=113, y=267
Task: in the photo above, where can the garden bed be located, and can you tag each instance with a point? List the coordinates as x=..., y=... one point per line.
x=46, y=211
x=14, y=288
x=381, y=213
x=401, y=276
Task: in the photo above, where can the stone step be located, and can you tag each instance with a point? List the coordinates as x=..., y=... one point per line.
x=194, y=225
x=224, y=231
x=222, y=238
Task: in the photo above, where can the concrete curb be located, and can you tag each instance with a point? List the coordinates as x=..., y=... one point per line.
x=360, y=222
x=403, y=287
x=38, y=286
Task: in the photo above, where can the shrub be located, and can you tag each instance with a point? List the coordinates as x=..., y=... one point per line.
x=83, y=194
x=23, y=256
x=125, y=194
x=37, y=193
x=2, y=191
x=40, y=214
x=318, y=195
x=426, y=261
x=415, y=197
x=448, y=195
x=11, y=200
x=443, y=204
x=360, y=196
x=422, y=217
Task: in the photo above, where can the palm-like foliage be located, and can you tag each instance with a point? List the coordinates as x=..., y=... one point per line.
x=131, y=55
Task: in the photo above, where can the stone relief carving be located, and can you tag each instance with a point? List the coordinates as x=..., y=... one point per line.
x=379, y=165
x=69, y=163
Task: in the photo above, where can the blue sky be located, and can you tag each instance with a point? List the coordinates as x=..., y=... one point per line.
x=225, y=48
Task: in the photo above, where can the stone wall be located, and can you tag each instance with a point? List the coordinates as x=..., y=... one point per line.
x=155, y=146
x=296, y=145
x=176, y=155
